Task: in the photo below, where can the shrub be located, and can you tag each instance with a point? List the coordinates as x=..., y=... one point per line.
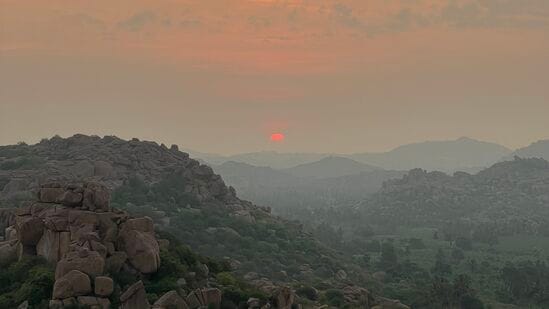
x=335, y=297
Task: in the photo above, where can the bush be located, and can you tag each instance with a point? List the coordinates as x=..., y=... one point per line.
x=335, y=297
x=29, y=279
x=308, y=292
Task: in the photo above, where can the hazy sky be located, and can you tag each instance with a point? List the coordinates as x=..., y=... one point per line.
x=220, y=75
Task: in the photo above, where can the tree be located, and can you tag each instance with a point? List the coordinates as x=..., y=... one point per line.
x=442, y=267
x=389, y=259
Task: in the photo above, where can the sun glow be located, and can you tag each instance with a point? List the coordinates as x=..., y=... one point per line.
x=277, y=137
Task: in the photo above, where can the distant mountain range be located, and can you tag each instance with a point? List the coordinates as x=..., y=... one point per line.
x=320, y=183
x=539, y=149
x=447, y=156
x=330, y=167
x=462, y=154
x=272, y=159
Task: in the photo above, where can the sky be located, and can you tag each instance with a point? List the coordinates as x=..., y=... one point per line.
x=222, y=75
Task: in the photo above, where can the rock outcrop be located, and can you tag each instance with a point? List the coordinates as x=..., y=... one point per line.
x=74, y=228
x=135, y=297
x=109, y=160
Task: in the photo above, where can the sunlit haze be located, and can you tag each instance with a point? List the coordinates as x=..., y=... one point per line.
x=334, y=76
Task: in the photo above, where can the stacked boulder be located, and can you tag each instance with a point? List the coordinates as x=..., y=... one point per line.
x=74, y=228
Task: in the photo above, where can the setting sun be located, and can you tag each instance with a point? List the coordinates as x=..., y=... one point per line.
x=277, y=137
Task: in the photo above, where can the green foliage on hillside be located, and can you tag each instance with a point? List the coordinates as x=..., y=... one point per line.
x=26, y=162
x=267, y=245
x=29, y=279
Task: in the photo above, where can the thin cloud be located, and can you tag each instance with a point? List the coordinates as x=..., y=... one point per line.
x=138, y=21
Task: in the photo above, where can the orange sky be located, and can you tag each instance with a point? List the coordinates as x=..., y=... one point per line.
x=338, y=76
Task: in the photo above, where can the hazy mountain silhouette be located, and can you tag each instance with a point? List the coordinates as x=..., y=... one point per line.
x=243, y=175
x=460, y=154
x=539, y=149
x=330, y=167
x=464, y=154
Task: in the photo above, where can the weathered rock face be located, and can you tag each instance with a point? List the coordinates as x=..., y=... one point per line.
x=284, y=298
x=170, y=300
x=89, y=262
x=74, y=228
x=111, y=161
x=137, y=239
x=104, y=286
x=135, y=297
x=74, y=283
x=203, y=298
x=8, y=252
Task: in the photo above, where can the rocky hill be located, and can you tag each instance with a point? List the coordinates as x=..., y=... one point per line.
x=110, y=160
x=539, y=149
x=91, y=246
x=184, y=199
x=462, y=154
x=511, y=195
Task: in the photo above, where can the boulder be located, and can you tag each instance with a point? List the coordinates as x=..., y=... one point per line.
x=284, y=298
x=55, y=304
x=88, y=262
x=170, y=300
x=74, y=283
x=93, y=302
x=102, y=169
x=104, y=286
x=385, y=303
x=135, y=297
x=96, y=197
x=137, y=239
x=29, y=230
x=144, y=224
x=8, y=252
x=10, y=233
x=70, y=198
x=204, y=298
x=114, y=263
x=212, y=296
x=50, y=195
x=357, y=295
x=48, y=246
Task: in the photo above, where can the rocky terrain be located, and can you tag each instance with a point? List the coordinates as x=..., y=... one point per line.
x=110, y=160
x=258, y=259
x=513, y=196
x=74, y=228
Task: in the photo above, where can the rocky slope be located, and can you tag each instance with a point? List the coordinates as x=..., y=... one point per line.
x=511, y=195
x=74, y=228
x=183, y=198
x=110, y=160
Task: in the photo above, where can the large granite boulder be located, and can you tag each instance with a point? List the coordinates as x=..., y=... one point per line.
x=170, y=300
x=96, y=197
x=86, y=261
x=137, y=239
x=29, y=230
x=74, y=283
x=8, y=252
x=135, y=297
x=104, y=286
x=53, y=245
x=284, y=298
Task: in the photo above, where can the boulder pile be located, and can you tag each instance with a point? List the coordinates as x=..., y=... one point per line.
x=75, y=229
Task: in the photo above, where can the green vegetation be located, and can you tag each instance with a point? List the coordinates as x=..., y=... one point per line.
x=26, y=162
x=29, y=279
x=267, y=245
